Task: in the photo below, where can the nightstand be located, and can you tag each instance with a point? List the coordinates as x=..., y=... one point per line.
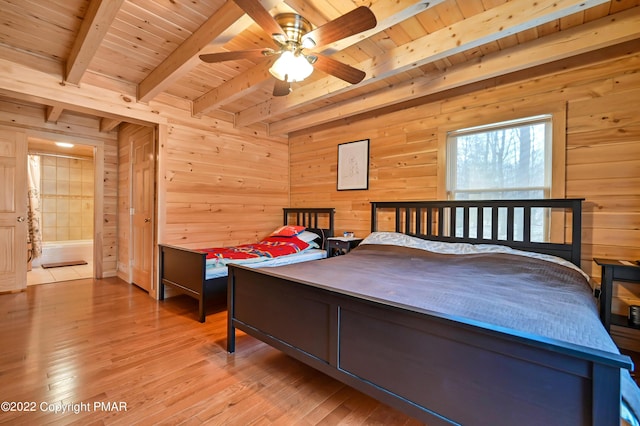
x=615, y=270
x=341, y=245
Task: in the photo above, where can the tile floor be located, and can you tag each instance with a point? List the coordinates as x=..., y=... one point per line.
x=38, y=275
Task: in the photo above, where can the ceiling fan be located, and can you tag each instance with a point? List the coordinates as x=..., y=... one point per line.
x=293, y=34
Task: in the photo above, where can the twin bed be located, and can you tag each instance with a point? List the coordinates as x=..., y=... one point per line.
x=455, y=312
x=187, y=271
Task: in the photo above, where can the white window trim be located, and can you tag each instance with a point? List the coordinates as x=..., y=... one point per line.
x=452, y=185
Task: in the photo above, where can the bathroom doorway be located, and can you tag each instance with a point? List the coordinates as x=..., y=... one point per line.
x=61, y=211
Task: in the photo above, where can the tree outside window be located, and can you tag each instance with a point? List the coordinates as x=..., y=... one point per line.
x=507, y=160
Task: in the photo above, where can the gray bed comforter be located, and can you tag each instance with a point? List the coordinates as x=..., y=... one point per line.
x=519, y=293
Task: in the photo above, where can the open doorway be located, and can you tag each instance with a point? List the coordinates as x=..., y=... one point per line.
x=61, y=198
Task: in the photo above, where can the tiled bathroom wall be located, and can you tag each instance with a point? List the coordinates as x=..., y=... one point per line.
x=67, y=198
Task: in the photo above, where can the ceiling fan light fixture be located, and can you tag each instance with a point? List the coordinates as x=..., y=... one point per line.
x=280, y=39
x=293, y=34
x=308, y=43
x=291, y=67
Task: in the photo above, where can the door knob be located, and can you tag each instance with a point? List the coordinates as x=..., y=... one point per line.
x=147, y=219
x=20, y=219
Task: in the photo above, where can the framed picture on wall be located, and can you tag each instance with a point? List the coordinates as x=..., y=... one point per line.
x=353, y=165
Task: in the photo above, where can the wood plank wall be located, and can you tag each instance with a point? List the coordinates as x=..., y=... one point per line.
x=219, y=185
x=603, y=154
x=82, y=130
x=109, y=209
x=124, y=194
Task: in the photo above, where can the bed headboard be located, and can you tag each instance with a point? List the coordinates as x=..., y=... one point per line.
x=318, y=220
x=550, y=226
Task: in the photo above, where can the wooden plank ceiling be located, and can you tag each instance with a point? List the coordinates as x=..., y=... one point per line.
x=150, y=48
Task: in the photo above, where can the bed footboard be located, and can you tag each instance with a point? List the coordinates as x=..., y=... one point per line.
x=438, y=369
x=184, y=270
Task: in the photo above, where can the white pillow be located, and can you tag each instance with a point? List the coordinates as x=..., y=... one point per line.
x=309, y=237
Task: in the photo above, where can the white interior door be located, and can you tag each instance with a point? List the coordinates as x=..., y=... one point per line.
x=13, y=210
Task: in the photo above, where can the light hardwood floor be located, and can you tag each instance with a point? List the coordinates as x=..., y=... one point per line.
x=79, y=343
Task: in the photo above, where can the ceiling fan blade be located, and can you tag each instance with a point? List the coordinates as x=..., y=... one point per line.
x=233, y=56
x=260, y=15
x=339, y=69
x=281, y=88
x=354, y=22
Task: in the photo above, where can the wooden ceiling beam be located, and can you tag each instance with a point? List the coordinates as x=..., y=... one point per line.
x=489, y=26
x=108, y=124
x=224, y=24
x=388, y=13
x=52, y=113
x=94, y=28
x=24, y=83
x=605, y=32
x=232, y=89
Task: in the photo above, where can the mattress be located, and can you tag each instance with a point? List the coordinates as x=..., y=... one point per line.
x=303, y=256
x=499, y=289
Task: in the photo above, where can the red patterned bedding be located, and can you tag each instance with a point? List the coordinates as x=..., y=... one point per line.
x=269, y=248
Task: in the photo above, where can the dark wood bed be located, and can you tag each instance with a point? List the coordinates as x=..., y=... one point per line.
x=440, y=369
x=185, y=269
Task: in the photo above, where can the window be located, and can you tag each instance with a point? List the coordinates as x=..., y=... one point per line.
x=506, y=160
x=510, y=159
